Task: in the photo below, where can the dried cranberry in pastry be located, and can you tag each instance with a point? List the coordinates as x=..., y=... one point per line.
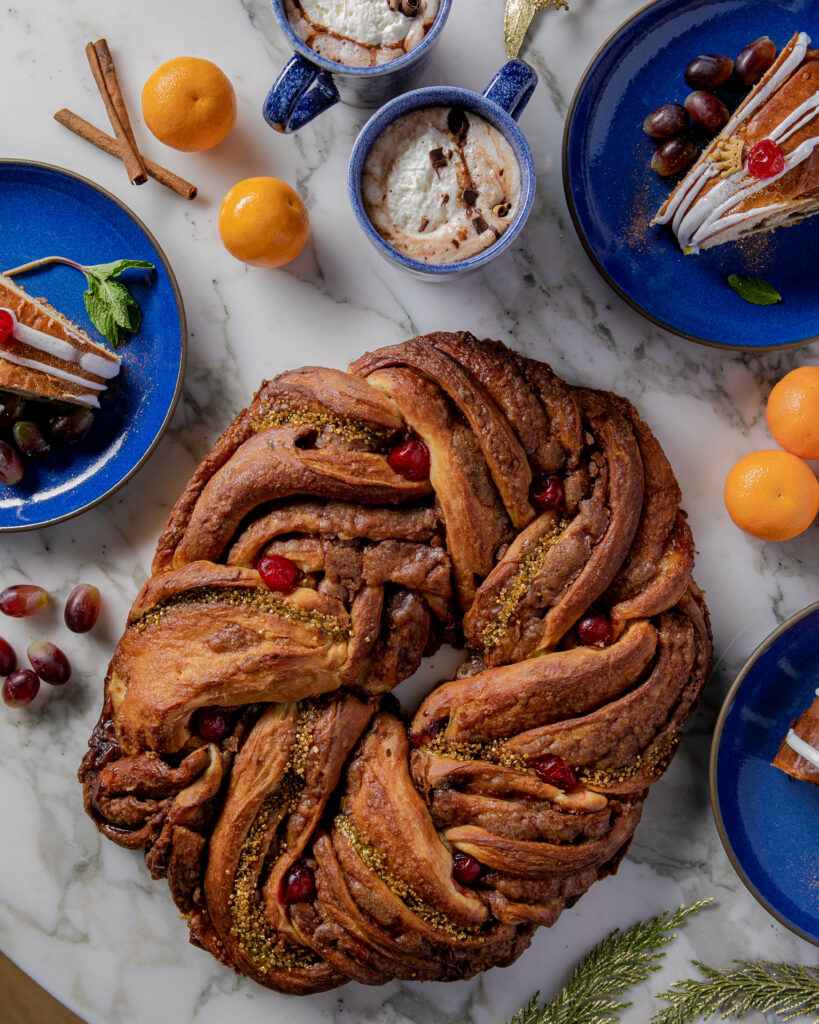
x=556, y=772
x=466, y=869
x=210, y=724
x=6, y=327
x=595, y=631
x=766, y=159
x=410, y=459
x=548, y=493
x=298, y=886
x=279, y=573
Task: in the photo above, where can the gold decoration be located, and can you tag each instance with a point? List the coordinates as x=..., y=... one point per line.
x=728, y=156
x=518, y=18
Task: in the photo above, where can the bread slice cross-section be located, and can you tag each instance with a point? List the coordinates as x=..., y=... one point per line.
x=720, y=199
x=45, y=356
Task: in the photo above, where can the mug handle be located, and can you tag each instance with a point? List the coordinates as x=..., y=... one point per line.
x=300, y=93
x=512, y=87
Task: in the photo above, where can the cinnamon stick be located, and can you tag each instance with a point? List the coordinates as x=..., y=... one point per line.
x=105, y=75
x=74, y=123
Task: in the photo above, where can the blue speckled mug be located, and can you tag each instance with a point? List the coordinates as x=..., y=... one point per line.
x=310, y=83
x=501, y=104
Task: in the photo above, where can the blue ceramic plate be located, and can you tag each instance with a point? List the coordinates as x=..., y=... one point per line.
x=768, y=822
x=46, y=211
x=612, y=192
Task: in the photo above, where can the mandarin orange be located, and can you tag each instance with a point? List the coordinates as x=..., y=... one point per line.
x=189, y=104
x=793, y=412
x=263, y=222
x=772, y=495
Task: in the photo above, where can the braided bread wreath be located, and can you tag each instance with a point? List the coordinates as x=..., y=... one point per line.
x=445, y=490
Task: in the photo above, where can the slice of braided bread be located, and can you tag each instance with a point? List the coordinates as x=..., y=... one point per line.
x=316, y=837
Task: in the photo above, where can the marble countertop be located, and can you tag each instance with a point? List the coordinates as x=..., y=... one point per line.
x=83, y=916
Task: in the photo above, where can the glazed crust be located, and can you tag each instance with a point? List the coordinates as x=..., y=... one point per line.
x=317, y=769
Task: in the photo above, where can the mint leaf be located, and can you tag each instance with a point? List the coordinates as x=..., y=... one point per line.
x=110, y=305
x=755, y=290
x=114, y=269
x=100, y=314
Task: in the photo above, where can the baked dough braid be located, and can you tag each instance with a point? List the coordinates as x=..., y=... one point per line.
x=317, y=776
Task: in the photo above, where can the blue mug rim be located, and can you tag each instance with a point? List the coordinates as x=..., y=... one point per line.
x=336, y=68
x=437, y=96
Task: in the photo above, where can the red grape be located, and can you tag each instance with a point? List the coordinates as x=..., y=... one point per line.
x=667, y=121
x=30, y=439
x=20, y=688
x=707, y=110
x=49, y=662
x=11, y=465
x=71, y=427
x=82, y=608
x=674, y=156
x=23, y=600
x=8, y=659
x=755, y=60
x=709, y=71
x=12, y=408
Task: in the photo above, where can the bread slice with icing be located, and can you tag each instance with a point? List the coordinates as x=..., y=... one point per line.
x=47, y=357
x=798, y=754
x=719, y=200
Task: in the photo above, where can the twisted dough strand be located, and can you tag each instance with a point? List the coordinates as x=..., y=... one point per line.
x=318, y=770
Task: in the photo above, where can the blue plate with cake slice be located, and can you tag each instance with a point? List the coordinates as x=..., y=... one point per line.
x=47, y=211
x=613, y=194
x=768, y=821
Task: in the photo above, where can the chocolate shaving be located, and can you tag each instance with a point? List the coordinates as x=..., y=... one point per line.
x=437, y=159
x=480, y=225
x=456, y=243
x=409, y=8
x=502, y=209
x=458, y=124
x=469, y=196
x=424, y=225
x=444, y=198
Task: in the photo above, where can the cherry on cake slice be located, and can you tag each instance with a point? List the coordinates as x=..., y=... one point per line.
x=762, y=171
x=798, y=754
x=44, y=356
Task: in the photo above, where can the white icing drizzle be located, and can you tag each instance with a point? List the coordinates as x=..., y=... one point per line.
x=695, y=218
x=803, y=749
x=92, y=362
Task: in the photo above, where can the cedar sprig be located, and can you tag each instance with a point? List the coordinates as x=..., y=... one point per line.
x=518, y=17
x=614, y=965
x=788, y=990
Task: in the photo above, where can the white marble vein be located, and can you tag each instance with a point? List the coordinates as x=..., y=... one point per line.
x=82, y=916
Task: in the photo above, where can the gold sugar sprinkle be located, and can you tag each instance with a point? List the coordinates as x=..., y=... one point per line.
x=249, y=924
x=280, y=414
x=513, y=593
x=252, y=597
x=494, y=752
x=653, y=762
x=376, y=863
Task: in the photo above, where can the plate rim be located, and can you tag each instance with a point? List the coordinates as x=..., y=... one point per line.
x=183, y=337
x=727, y=704
x=596, y=262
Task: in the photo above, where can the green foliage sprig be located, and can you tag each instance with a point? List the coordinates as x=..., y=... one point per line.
x=786, y=989
x=614, y=965
x=110, y=306
x=518, y=18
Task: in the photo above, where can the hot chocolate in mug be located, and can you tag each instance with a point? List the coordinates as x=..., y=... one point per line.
x=344, y=52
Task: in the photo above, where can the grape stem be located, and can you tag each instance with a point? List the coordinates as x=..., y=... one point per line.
x=34, y=264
